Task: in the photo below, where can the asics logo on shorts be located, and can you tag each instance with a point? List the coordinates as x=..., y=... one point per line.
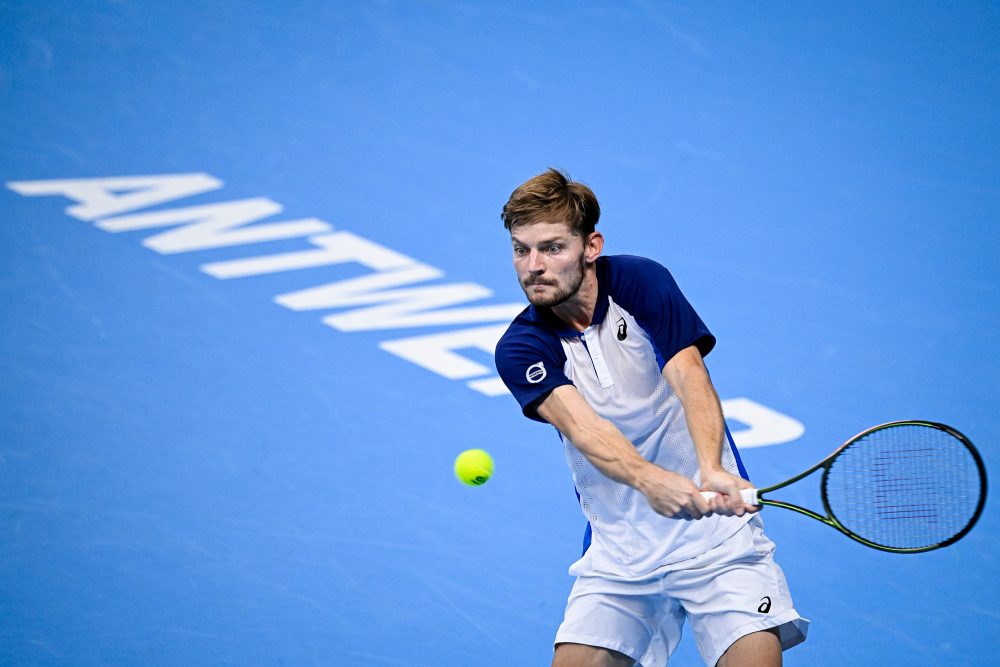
x=765, y=605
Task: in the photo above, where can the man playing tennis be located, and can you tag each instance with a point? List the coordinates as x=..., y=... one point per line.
x=610, y=353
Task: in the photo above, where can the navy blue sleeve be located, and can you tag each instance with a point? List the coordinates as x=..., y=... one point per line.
x=530, y=362
x=649, y=292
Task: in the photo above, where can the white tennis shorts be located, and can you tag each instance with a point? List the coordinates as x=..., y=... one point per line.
x=726, y=593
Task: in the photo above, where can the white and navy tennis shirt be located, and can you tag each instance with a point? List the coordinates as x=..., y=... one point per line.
x=641, y=320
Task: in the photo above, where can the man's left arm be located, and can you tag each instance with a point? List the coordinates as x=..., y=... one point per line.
x=687, y=376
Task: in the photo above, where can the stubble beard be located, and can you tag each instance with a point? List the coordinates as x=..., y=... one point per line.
x=560, y=296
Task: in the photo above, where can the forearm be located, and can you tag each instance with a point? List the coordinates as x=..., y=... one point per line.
x=703, y=416
x=597, y=439
x=616, y=457
x=689, y=379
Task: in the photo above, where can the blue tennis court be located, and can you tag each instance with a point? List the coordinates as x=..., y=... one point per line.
x=253, y=271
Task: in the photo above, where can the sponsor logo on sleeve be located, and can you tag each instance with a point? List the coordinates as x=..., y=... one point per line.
x=536, y=373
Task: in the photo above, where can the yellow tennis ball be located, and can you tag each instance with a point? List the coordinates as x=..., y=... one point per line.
x=474, y=467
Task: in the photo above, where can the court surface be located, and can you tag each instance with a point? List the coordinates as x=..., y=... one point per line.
x=218, y=447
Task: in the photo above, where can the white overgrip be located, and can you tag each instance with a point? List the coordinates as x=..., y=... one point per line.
x=749, y=496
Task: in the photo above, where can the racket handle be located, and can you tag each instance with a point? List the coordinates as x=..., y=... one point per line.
x=749, y=496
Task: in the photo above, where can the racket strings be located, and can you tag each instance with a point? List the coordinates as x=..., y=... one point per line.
x=907, y=486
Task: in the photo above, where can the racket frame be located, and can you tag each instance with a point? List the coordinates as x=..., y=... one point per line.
x=831, y=520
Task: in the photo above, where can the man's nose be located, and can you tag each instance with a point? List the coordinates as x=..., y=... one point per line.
x=535, y=264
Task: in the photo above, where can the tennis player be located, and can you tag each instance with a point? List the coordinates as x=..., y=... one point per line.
x=611, y=354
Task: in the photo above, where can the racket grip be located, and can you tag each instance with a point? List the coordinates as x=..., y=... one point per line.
x=749, y=496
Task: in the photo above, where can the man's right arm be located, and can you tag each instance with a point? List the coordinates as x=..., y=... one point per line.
x=611, y=452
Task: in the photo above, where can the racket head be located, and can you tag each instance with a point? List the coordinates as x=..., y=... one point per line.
x=905, y=487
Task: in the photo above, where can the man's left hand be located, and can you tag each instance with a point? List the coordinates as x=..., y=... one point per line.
x=728, y=486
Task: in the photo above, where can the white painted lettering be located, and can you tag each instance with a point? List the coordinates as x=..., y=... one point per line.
x=401, y=308
x=490, y=386
x=766, y=426
x=330, y=252
x=412, y=308
x=436, y=352
x=355, y=291
x=336, y=248
x=101, y=197
x=382, y=299
x=214, y=226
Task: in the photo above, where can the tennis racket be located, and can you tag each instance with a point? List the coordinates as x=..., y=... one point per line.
x=902, y=487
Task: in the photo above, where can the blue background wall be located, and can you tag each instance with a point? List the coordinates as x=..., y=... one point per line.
x=190, y=473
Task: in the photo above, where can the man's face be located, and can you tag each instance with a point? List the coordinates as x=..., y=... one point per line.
x=549, y=259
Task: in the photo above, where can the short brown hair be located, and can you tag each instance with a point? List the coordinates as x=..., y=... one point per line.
x=552, y=197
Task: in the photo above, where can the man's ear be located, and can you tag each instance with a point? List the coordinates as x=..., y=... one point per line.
x=592, y=247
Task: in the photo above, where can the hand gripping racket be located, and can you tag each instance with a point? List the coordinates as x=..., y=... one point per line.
x=902, y=487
